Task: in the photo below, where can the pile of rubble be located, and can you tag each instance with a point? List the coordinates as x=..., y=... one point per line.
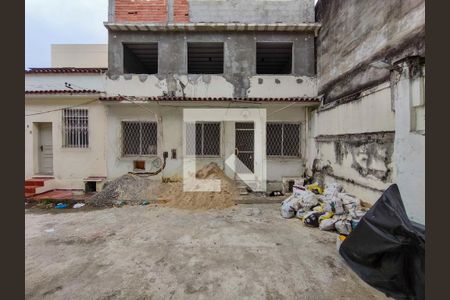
x=329, y=209
x=127, y=189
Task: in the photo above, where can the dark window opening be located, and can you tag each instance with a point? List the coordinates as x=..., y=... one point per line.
x=205, y=58
x=140, y=58
x=203, y=139
x=273, y=58
x=90, y=186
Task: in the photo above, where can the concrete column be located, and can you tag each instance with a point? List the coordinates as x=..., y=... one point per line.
x=409, y=145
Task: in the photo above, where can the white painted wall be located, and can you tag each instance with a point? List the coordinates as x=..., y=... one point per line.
x=57, y=81
x=371, y=113
x=170, y=129
x=80, y=55
x=409, y=150
x=70, y=165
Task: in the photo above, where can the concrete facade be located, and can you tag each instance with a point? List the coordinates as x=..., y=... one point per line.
x=239, y=56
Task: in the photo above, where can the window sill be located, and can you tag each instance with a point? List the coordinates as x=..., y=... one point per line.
x=135, y=157
x=273, y=157
x=76, y=149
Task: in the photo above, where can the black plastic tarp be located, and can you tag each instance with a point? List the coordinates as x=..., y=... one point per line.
x=387, y=250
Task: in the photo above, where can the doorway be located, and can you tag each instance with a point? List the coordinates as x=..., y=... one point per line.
x=245, y=145
x=45, y=149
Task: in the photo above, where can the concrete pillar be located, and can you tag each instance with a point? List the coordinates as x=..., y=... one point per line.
x=409, y=145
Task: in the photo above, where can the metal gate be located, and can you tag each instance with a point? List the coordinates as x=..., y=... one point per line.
x=245, y=144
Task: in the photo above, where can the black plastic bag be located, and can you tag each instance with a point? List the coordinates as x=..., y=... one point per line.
x=387, y=250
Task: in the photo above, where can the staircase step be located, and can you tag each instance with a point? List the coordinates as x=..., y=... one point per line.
x=34, y=182
x=30, y=189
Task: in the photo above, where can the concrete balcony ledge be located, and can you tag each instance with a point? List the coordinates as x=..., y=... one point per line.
x=132, y=26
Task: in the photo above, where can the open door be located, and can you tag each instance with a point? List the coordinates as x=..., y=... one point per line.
x=45, y=150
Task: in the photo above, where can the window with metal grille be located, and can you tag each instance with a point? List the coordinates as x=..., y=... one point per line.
x=139, y=138
x=283, y=139
x=75, y=128
x=203, y=138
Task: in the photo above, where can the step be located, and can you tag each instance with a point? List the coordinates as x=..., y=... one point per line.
x=35, y=182
x=30, y=189
x=28, y=195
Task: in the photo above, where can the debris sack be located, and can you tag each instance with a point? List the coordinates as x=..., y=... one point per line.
x=387, y=250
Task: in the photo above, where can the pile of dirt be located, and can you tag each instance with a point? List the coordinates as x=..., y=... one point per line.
x=175, y=196
x=127, y=188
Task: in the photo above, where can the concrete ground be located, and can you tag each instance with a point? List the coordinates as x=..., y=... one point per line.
x=153, y=252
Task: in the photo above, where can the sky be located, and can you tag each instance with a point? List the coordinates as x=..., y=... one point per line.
x=62, y=22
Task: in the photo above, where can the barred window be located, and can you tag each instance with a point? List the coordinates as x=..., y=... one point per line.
x=75, y=128
x=283, y=139
x=206, y=136
x=139, y=138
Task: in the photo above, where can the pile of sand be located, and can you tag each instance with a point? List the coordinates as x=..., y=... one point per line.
x=127, y=188
x=133, y=189
x=175, y=196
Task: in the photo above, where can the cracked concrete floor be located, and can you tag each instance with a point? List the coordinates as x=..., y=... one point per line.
x=152, y=252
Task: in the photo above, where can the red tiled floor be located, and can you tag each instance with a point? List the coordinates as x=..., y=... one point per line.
x=61, y=195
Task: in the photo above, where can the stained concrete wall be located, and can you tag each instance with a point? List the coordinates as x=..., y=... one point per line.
x=355, y=131
x=239, y=57
x=355, y=33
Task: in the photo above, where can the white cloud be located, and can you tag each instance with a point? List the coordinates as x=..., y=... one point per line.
x=61, y=21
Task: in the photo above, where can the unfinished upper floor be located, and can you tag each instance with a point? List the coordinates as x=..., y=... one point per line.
x=217, y=11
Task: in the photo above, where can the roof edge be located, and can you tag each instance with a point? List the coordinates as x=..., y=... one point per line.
x=65, y=70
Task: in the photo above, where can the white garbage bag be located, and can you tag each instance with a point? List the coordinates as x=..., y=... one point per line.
x=287, y=211
x=309, y=200
x=328, y=224
x=343, y=226
x=289, y=206
x=334, y=205
x=350, y=202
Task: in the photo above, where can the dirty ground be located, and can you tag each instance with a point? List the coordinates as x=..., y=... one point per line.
x=153, y=252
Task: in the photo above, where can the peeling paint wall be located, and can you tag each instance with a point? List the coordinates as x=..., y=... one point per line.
x=209, y=86
x=353, y=144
